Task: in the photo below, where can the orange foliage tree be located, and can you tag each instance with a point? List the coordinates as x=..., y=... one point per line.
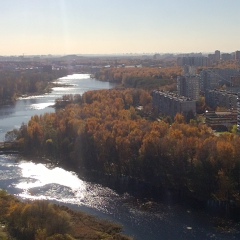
x=107, y=132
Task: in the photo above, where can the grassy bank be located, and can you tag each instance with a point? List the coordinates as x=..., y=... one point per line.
x=38, y=220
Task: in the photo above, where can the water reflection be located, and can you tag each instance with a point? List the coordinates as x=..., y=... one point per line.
x=75, y=77
x=5, y=111
x=149, y=220
x=40, y=181
x=37, y=181
x=44, y=175
x=30, y=180
x=39, y=106
x=27, y=106
x=34, y=181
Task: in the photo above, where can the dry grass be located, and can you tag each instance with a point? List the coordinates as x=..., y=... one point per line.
x=81, y=225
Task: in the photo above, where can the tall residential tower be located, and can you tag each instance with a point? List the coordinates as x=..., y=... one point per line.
x=189, y=84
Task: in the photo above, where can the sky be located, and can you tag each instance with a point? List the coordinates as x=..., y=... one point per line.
x=39, y=27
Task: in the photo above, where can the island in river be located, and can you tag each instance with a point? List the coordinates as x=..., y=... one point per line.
x=110, y=123
x=106, y=132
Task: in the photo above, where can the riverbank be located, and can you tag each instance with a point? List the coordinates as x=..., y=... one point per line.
x=142, y=218
x=26, y=82
x=37, y=181
x=105, y=132
x=24, y=219
x=146, y=198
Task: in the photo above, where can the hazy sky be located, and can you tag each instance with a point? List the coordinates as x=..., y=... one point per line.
x=118, y=26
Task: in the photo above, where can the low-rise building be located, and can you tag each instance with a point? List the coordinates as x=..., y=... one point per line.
x=221, y=120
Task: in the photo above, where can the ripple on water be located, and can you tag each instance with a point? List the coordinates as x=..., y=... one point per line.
x=8, y=169
x=149, y=220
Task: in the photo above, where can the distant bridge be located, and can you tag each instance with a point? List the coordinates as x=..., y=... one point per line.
x=9, y=148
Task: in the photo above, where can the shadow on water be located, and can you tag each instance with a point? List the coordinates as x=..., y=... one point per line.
x=144, y=212
x=173, y=216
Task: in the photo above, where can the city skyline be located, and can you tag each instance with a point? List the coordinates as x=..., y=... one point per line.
x=118, y=27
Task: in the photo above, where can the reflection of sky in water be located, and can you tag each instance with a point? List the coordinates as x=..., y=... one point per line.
x=75, y=76
x=62, y=89
x=13, y=116
x=34, y=181
x=39, y=106
x=32, y=97
x=44, y=175
x=37, y=181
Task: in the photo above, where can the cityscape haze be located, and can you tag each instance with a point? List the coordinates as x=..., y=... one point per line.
x=109, y=27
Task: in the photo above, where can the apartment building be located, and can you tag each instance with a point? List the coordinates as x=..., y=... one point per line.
x=217, y=55
x=169, y=104
x=237, y=55
x=238, y=112
x=221, y=98
x=189, y=84
x=214, y=78
x=226, y=56
x=197, y=61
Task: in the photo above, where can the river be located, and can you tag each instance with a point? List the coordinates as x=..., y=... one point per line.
x=141, y=218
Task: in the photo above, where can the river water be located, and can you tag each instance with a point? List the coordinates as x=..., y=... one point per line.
x=141, y=218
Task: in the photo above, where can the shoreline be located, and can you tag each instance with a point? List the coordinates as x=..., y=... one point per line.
x=89, y=224
x=144, y=201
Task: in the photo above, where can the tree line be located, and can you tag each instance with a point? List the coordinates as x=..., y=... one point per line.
x=143, y=77
x=112, y=131
x=19, y=82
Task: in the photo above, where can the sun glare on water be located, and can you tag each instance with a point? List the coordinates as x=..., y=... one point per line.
x=36, y=176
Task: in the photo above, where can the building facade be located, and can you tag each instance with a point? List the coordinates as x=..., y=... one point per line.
x=169, y=104
x=237, y=55
x=238, y=112
x=226, y=56
x=197, y=61
x=217, y=55
x=221, y=98
x=218, y=120
x=189, y=84
x=214, y=78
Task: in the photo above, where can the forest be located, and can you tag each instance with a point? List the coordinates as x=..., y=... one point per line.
x=14, y=84
x=142, y=77
x=115, y=132
x=38, y=220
